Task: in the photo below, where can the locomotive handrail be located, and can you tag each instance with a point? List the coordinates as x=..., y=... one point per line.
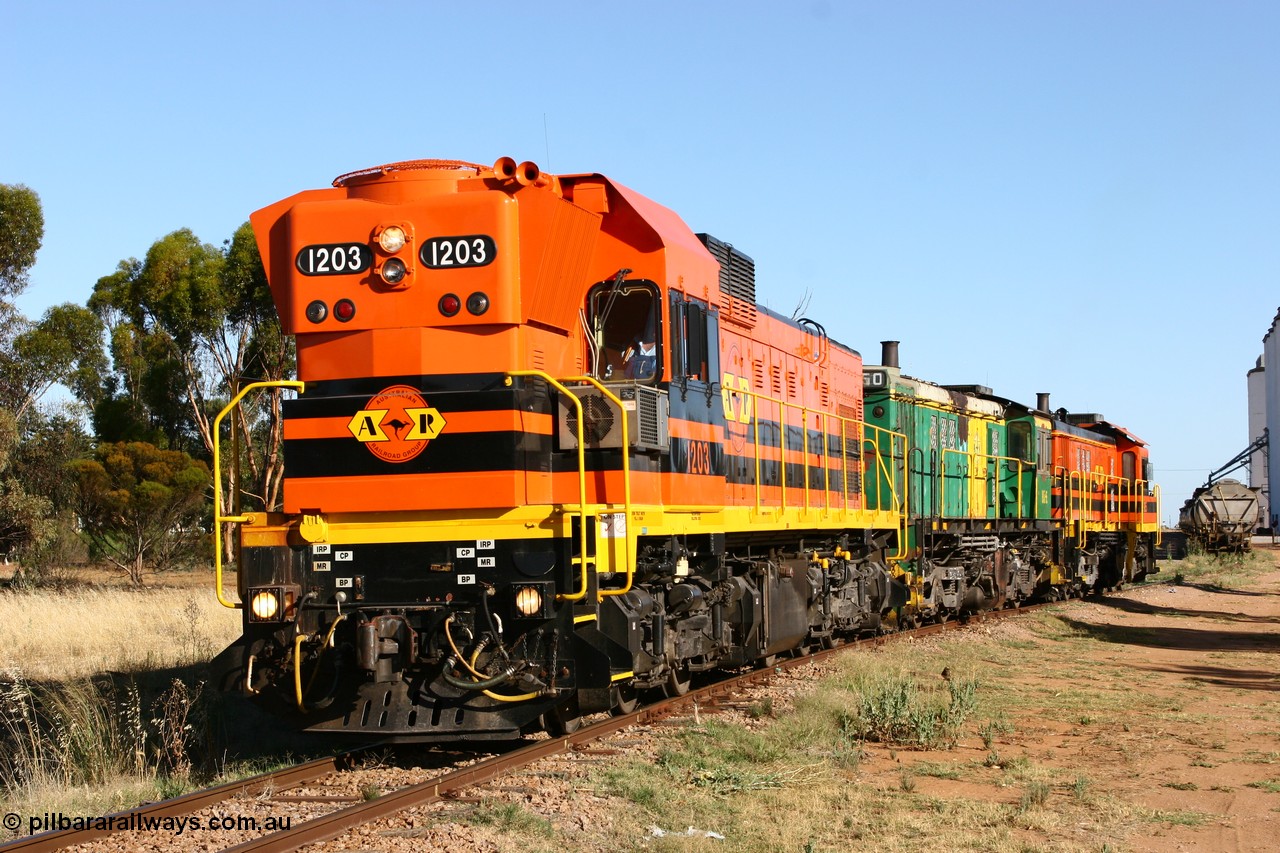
x=991, y=463
x=1074, y=496
x=942, y=479
x=1159, y=526
x=899, y=503
x=1018, y=475
x=1126, y=486
x=582, y=475
x=897, y=495
x=218, y=518
x=626, y=484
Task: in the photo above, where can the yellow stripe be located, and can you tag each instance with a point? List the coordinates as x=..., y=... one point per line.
x=546, y=522
x=622, y=676
x=590, y=617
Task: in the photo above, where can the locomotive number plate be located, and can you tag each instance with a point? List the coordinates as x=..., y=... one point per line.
x=334, y=259
x=471, y=250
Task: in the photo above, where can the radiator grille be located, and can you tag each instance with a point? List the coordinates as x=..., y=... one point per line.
x=737, y=281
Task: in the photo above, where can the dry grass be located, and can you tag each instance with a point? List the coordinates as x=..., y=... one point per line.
x=101, y=694
x=1220, y=571
x=48, y=635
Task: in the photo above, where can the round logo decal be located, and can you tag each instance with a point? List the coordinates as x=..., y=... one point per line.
x=396, y=424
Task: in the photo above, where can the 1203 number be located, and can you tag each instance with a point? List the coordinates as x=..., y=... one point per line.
x=473, y=250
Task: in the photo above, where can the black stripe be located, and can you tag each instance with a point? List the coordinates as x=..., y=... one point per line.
x=434, y=383
x=505, y=399
x=450, y=454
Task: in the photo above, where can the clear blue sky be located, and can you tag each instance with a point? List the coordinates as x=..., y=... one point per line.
x=1076, y=197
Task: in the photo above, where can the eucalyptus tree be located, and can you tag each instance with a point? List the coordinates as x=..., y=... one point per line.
x=140, y=506
x=64, y=346
x=190, y=325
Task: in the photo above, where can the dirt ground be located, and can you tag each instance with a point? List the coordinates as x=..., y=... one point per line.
x=1212, y=657
x=1197, y=739
x=1145, y=721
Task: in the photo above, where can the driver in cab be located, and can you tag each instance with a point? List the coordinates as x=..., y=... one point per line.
x=641, y=360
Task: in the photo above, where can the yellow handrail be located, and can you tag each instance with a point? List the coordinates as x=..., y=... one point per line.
x=782, y=407
x=899, y=502
x=994, y=461
x=942, y=480
x=1159, y=526
x=218, y=518
x=626, y=484
x=582, y=475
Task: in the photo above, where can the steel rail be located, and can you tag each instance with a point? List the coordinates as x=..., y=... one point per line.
x=330, y=826
x=327, y=827
x=290, y=777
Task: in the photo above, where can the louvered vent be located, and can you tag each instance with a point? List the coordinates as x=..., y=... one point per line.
x=737, y=282
x=650, y=426
x=646, y=410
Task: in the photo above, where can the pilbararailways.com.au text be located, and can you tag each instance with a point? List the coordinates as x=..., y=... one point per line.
x=51, y=821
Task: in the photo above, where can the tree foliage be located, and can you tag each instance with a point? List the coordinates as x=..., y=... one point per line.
x=21, y=233
x=190, y=326
x=24, y=517
x=185, y=329
x=140, y=507
x=65, y=347
x=51, y=437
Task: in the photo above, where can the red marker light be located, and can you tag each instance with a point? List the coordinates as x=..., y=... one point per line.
x=344, y=310
x=450, y=305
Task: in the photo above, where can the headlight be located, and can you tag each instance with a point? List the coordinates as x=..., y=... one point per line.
x=391, y=239
x=535, y=600
x=528, y=600
x=265, y=605
x=393, y=271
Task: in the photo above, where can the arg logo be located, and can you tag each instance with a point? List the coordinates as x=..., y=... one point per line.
x=396, y=424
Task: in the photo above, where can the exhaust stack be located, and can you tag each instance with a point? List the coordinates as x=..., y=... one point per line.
x=889, y=353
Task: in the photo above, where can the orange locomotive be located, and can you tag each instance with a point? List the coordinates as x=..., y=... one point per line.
x=1104, y=501
x=548, y=452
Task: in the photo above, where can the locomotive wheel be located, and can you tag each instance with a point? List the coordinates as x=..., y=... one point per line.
x=678, y=682
x=564, y=720
x=625, y=700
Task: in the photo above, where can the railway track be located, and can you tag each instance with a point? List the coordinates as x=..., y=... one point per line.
x=291, y=777
x=448, y=784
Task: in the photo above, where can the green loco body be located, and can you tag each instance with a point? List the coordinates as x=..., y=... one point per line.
x=995, y=513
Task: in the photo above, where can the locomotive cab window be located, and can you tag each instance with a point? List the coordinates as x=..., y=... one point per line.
x=626, y=333
x=1020, y=444
x=695, y=336
x=1045, y=441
